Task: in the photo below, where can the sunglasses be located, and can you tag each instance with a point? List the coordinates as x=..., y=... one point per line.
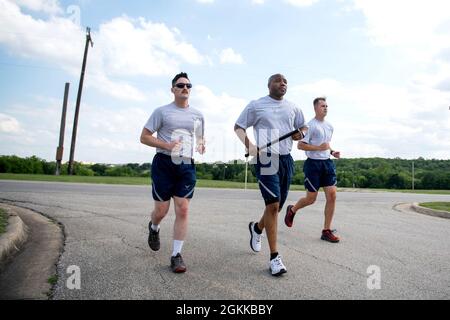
x=182, y=85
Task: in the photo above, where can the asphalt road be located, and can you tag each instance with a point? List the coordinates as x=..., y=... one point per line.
x=106, y=237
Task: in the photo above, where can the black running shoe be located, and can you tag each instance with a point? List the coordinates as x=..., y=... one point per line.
x=153, y=238
x=177, y=264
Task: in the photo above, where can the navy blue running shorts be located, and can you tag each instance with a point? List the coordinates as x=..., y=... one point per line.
x=319, y=173
x=170, y=179
x=274, y=186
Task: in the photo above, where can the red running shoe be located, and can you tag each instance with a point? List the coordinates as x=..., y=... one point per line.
x=328, y=235
x=289, y=217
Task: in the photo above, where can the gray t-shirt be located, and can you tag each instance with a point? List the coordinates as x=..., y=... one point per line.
x=271, y=119
x=319, y=132
x=175, y=123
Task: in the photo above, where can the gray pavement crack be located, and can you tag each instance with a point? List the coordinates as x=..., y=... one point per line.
x=328, y=261
x=130, y=245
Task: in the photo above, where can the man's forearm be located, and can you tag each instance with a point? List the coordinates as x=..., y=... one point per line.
x=242, y=135
x=309, y=147
x=153, y=142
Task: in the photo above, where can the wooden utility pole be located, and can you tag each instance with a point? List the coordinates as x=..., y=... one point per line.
x=60, y=149
x=77, y=108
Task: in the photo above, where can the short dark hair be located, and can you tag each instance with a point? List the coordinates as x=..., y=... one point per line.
x=316, y=100
x=178, y=76
x=273, y=77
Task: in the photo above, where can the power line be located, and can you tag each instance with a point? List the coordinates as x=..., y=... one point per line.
x=8, y=64
x=29, y=35
x=16, y=65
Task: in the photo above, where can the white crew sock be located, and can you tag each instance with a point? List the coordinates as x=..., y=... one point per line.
x=177, y=246
x=155, y=227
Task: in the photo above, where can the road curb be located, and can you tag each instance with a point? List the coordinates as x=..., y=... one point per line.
x=431, y=212
x=26, y=275
x=14, y=237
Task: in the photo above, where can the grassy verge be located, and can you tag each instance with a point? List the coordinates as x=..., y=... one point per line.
x=200, y=183
x=126, y=181
x=399, y=190
x=3, y=220
x=53, y=280
x=234, y=185
x=79, y=179
x=444, y=206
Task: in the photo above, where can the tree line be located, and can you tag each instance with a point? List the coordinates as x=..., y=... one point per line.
x=353, y=173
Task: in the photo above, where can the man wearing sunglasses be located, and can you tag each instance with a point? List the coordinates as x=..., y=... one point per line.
x=179, y=126
x=319, y=170
x=271, y=117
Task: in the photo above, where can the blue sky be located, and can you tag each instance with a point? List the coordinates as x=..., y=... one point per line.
x=383, y=65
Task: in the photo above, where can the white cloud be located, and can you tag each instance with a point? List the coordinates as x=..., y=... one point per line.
x=413, y=25
x=301, y=3
x=38, y=130
x=117, y=89
x=9, y=124
x=438, y=79
x=229, y=56
x=105, y=121
x=220, y=112
x=217, y=107
x=380, y=120
x=409, y=120
x=140, y=47
x=369, y=120
x=104, y=133
x=123, y=47
x=108, y=134
x=29, y=37
x=420, y=32
x=46, y=6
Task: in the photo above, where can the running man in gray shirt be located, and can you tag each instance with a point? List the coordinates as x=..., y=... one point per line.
x=271, y=117
x=319, y=170
x=178, y=126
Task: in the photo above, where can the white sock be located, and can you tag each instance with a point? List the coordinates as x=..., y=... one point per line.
x=155, y=227
x=177, y=246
